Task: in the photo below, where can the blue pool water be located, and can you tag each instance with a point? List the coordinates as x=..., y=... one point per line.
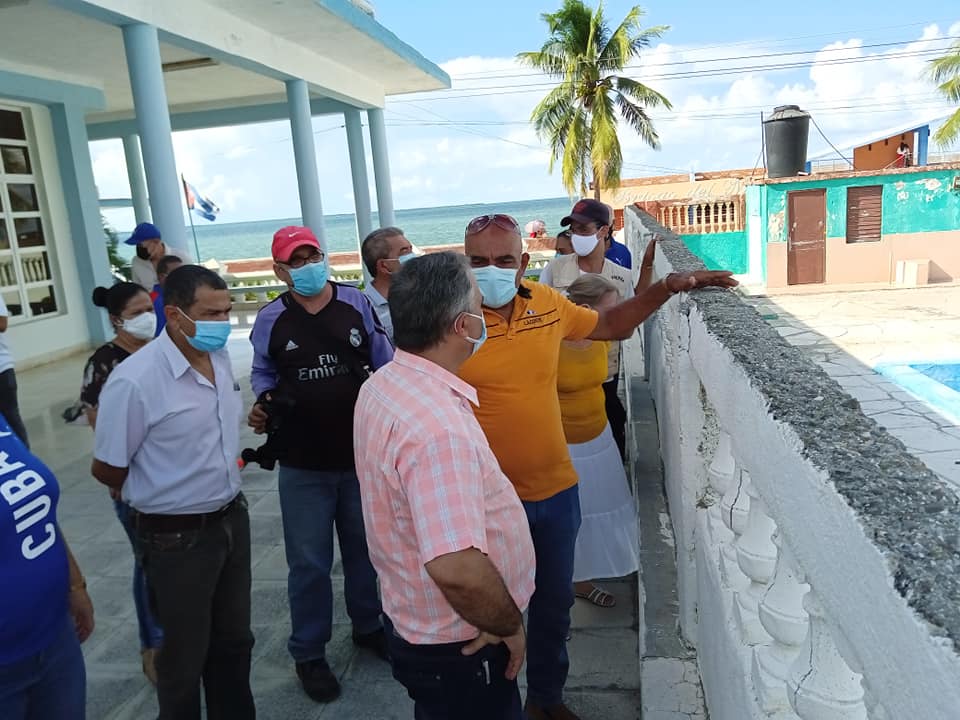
x=935, y=383
x=944, y=373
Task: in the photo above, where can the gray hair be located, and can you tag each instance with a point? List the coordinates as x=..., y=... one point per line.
x=374, y=247
x=426, y=297
x=589, y=289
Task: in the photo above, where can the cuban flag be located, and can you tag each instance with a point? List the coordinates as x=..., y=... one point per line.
x=199, y=204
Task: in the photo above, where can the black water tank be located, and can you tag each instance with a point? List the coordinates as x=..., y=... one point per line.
x=785, y=136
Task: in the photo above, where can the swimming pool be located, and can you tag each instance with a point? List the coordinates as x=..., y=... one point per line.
x=935, y=383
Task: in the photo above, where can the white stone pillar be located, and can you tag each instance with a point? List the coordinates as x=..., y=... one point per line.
x=757, y=557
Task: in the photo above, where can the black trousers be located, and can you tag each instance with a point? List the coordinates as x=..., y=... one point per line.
x=9, y=406
x=616, y=415
x=199, y=583
x=447, y=685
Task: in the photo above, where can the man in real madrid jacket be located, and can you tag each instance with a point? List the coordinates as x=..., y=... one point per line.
x=315, y=345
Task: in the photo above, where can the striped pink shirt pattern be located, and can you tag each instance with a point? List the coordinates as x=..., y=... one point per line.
x=431, y=486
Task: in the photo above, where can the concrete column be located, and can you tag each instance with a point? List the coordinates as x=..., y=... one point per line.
x=358, y=173
x=305, y=157
x=381, y=167
x=142, y=48
x=138, y=181
x=83, y=210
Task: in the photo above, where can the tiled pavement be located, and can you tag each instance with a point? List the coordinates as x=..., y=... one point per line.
x=605, y=659
x=850, y=333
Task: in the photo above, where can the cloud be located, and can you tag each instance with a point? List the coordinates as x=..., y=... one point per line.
x=474, y=143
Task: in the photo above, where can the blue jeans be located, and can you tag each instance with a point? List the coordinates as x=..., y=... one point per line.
x=311, y=502
x=554, y=524
x=151, y=636
x=445, y=684
x=51, y=685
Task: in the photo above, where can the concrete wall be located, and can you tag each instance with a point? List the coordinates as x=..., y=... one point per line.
x=921, y=220
x=46, y=339
x=818, y=570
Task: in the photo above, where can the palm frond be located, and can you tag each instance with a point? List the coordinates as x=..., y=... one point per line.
x=947, y=67
x=640, y=94
x=606, y=158
x=949, y=132
x=575, y=156
x=636, y=117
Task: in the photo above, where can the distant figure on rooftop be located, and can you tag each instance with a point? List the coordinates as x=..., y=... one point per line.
x=383, y=252
x=903, y=155
x=150, y=250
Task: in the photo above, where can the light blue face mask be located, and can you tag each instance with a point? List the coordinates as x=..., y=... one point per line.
x=407, y=257
x=310, y=279
x=210, y=335
x=497, y=285
x=477, y=342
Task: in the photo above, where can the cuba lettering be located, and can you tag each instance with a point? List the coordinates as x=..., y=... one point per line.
x=16, y=492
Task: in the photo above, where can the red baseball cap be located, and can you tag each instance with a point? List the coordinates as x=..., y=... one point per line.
x=287, y=239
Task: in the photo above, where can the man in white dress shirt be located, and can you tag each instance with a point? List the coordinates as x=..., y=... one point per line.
x=168, y=435
x=383, y=251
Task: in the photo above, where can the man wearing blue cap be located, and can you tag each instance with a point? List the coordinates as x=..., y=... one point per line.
x=150, y=250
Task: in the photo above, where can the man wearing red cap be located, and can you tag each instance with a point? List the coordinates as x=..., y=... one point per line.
x=313, y=348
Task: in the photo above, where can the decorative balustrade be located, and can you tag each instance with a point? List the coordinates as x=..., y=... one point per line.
x=823, y=561
x=691, y=217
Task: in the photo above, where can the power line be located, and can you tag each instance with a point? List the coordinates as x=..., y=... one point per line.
x=532, y=87
x=759, y=43
x=760, y=56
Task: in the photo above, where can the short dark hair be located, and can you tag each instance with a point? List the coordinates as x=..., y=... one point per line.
x=182, y=284
x=114, y=299
x=374, y=246
x=426, y=296
x=163, y=267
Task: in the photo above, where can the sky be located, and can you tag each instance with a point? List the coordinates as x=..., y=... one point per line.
x=856, y=65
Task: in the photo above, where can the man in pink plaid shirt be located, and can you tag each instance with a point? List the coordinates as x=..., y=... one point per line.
x=446, y=531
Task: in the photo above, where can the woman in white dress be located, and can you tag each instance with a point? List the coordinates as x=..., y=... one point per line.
x=608, y=542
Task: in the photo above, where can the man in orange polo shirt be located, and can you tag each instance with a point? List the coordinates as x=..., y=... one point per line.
x=515, y=375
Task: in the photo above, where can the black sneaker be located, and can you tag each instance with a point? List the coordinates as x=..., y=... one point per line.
x=319, y=682
x=375, y=641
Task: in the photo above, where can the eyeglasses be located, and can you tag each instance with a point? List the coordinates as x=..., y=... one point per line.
x=504, y=222
x=311, y=259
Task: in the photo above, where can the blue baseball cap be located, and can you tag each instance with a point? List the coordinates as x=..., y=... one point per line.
x=143, y=231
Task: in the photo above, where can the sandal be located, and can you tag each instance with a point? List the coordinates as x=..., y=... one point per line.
x=599, y=597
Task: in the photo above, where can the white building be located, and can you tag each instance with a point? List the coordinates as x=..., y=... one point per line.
x=72, y=71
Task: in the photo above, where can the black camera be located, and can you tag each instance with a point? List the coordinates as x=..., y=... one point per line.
x=276, y=406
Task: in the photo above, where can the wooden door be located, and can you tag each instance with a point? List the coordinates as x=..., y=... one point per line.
x=807, y=237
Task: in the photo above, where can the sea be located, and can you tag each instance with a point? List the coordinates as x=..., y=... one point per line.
x=422, y=226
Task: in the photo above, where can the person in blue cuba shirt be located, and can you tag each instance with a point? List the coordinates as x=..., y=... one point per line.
x=45, y=611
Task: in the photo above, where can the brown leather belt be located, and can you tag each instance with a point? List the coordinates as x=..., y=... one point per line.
x=181, y=523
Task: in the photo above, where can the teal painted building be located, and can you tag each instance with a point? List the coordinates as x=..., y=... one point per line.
x=888, y=226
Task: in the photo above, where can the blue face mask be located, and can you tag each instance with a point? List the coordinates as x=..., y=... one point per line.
x=406, y=258
x=210, y=335
x=497, y=285
x=477, y=342
x=310, y=279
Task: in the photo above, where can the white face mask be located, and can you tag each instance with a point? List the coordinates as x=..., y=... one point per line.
x=583, y=245
x=142, y=327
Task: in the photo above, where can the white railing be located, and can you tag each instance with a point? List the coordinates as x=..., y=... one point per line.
x=254, y=290
x=692, y=217
x=817, y=561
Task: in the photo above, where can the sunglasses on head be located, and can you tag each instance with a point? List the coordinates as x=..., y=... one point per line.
x=504, y=222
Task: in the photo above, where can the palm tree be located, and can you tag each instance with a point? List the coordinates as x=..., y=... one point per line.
x=579, y=117
x=945, y=72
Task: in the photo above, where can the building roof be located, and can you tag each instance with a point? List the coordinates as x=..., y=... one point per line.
x=877, y=136
x=217, y=53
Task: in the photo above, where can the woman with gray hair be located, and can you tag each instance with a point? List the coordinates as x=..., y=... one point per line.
x=607, y=544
